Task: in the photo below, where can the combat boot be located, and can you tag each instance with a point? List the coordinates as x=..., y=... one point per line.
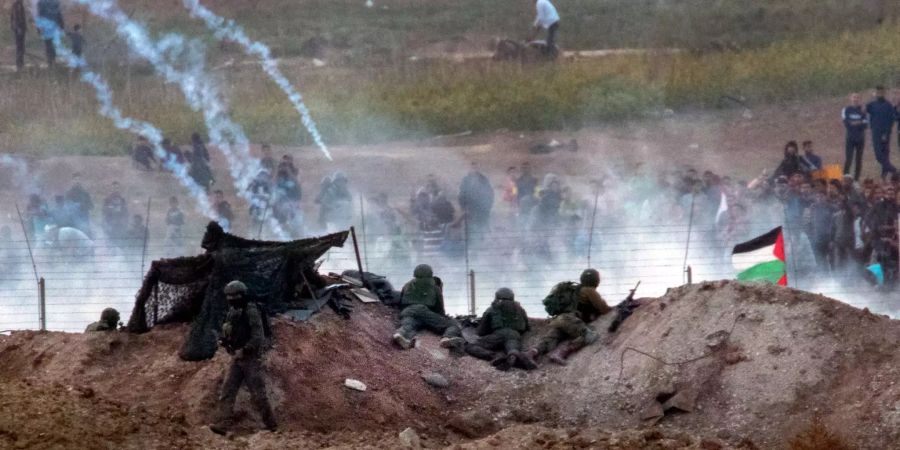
x=503, y=362
x=523, y=360
x=456, y=345
x=561, y=353
x=403, y=342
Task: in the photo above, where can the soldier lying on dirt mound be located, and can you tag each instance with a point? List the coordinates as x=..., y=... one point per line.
x=244, y=338
x=422, y=300
x=500, y=329
x=571, y=307
x=109, y=321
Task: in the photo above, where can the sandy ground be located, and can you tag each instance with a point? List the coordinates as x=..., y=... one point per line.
x=731, y=364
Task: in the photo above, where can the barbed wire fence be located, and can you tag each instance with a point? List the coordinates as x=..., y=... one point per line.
x=81, y=281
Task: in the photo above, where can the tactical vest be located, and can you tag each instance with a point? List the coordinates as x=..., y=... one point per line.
x=421, y=291
x=507, y=314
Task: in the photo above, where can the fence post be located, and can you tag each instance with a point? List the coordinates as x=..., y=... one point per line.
x=473, y=308
x=687, y=245
x=690, y=277
x=362, y=276
x=42, y=304
x=365, y=240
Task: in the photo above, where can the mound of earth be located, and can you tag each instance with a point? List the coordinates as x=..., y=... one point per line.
x=713, y=365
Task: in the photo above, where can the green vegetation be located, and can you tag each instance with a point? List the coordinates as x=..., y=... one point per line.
x=55, y=114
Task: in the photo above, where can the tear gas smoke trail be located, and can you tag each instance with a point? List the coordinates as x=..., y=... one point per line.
x=103, y=94
x=201, y=93
x=227, y=29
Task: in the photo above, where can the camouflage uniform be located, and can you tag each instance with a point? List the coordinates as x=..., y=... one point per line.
x=109, y=321
x=500, y=329
x=423, y=307
x=573, y=325
x=243, y=336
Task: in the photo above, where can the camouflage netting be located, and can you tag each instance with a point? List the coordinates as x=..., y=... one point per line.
x=189, y=289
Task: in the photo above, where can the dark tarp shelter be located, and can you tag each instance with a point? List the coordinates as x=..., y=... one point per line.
x=189, y=289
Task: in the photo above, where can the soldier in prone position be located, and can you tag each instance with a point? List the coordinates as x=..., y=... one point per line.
x=500, y=332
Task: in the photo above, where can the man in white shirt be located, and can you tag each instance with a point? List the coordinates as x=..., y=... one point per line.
x=547, y=18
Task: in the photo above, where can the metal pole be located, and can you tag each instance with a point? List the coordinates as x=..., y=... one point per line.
x=466, y=246
x=362, y=276
x=687, y=245
x=690, y=277
x=472, y=306
x=362, y=215
x=146, y=236
x=27, y=243
x=42, y=304
x=593, y=222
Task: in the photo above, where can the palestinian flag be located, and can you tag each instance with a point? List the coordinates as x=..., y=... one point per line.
x=761, y=258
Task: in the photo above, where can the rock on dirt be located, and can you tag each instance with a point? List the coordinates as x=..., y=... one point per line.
x=437, y=380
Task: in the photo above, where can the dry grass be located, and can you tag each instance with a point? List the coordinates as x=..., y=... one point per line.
x=818, y=437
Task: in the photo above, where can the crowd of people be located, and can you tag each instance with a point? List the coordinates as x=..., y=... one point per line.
x=50, y=11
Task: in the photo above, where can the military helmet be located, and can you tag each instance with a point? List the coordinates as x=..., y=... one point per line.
x=423, y=271
x=235, y=287
x=504, y=294
x=590, y=277
x=110, y=316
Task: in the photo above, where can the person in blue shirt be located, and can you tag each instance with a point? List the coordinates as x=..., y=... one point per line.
x=811, y=161
x=881, y=120
x=855, y=123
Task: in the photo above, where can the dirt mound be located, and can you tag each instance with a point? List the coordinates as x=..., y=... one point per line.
x=739, y=364
x=733, y=361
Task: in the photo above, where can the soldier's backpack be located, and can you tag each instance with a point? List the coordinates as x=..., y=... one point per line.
x=563, y=298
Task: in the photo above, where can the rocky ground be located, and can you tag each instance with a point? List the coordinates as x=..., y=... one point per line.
x=714, y=365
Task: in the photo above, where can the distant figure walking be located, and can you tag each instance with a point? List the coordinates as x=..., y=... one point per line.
x=76, y=40
x=19, y=27
x=548, y=19
x=855, y=122
x=50, y=10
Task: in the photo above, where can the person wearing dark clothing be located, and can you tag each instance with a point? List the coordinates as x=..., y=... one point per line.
x=223, y=211
x=821, y=230
x=244, y=338
x=526, y=184
x=791, y=163
x=51, y=11
x=175, y=222
x=267, y=162
x=442, y=210
x=137, y=232
x=198, y=147
x=76, y=40
x=173, y=152
x=115, y=214
x=547, y=212
x=260, y=190
x=19, y=28
x=200, y=171
x=855, y=123
x=142, y=155
x=882, y=116
x=81, y=199
x=476, y=198
x=37, y=215
x=500, y=332
x=810, y=160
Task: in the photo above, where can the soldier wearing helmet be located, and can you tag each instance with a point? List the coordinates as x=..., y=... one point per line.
x=109, y=321
x=243, y=337
x=500, y=333
x=569, y=331
x=422, y=300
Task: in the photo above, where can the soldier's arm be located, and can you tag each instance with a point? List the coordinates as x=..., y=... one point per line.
x=439, y=307
x=257, y=333
x=484, y=325
x=525, y=316
x=597, y=301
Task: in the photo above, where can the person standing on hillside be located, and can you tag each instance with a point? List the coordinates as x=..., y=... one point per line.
x=548, y=19
x=881, y=119
x=244, y=338
x=76, y=40
x=855, y=123
x=476, y=199
x=19, y=27
x=50, y=10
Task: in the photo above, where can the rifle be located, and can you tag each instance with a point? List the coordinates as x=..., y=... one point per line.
x=625, y=309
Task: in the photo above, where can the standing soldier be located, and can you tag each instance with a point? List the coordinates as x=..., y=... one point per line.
x=500, y=329
x=422, y=300
x=855, y=122
x=571, y=307
x=244, y=338
x=17, y=21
